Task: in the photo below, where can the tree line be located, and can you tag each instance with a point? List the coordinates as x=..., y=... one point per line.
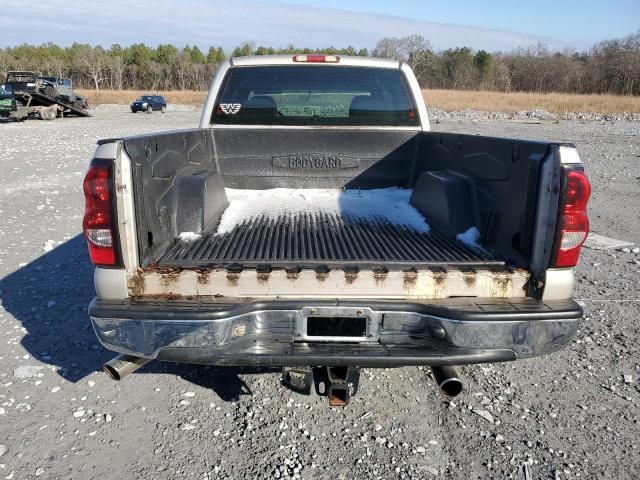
x=611, y=66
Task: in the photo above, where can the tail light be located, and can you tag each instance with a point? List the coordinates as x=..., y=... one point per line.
x=99, y=220
x=314, y=58
x=573, y=224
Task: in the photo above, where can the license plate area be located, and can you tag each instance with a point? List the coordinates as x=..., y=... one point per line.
x=337, y=324
x=336, y=327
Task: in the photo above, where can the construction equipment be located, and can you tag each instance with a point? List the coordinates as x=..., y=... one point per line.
x=25, y=95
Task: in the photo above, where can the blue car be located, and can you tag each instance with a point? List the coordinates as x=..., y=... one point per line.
x=149, y=103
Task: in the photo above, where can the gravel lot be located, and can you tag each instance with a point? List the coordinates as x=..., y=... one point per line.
x=573, y=414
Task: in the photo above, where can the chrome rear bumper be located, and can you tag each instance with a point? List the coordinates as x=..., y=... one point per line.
x=456, y=331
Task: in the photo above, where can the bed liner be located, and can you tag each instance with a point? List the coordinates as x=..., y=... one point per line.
x=324, y=241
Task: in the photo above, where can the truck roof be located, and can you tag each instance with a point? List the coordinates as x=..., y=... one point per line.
x=345, y=60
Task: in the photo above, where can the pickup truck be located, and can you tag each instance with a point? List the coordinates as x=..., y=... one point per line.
x=314, y=222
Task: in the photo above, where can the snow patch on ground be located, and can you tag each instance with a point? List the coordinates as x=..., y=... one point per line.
x=391, y=204
x=470, y=238
x=178, y=107
x=189, y=236
x=49, y=245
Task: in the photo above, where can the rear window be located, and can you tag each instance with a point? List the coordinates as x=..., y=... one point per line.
x=314, y=95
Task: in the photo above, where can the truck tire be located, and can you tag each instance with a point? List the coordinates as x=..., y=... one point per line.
x=48, y=113
x=164, y=109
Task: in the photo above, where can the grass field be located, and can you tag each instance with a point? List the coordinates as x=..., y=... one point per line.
x=183, y=97
x=443, y=99
x=514, y=102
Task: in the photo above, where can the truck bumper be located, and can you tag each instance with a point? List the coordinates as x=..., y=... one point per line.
x=276, y=333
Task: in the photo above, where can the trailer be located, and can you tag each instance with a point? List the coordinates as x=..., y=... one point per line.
x=27, y=95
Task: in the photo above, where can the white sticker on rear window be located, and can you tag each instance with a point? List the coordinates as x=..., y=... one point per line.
x=230, y=108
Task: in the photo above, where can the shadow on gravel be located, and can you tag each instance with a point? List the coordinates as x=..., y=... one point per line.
x=49, y=296
x=224, y=381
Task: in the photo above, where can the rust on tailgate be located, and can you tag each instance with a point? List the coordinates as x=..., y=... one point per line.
x=233, y=278
x=380, y=277
x=263, y=277
x=470, y=278
x=307, y=283
x=350, y=277
x=136, y=283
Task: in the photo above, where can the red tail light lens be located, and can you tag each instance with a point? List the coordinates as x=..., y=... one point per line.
x=314, y=58
x=577, y=192
x=98, y=225
x=573, y=223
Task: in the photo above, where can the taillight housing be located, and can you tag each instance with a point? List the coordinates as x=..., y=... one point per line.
x=99, y=223
x=573, y=223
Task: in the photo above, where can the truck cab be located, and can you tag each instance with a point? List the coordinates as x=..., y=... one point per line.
x=61, y=87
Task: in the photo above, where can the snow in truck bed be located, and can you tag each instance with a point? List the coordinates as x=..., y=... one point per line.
x=391, y=204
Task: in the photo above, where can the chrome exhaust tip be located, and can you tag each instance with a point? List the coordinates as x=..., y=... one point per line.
x=123, y=365
x=447, y=380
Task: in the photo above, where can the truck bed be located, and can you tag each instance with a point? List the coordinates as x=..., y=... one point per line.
x=188, y=181
x=323, y=240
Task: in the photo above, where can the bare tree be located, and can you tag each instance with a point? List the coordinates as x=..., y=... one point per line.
x=5, y=63
x=181, y=69
x=156, y=70
x=117, y=70
x=389, y=47
x=93, y=63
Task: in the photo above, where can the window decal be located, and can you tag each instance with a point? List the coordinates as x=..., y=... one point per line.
x=230, y=108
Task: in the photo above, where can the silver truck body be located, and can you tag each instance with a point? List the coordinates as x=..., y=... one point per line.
x=429, y=316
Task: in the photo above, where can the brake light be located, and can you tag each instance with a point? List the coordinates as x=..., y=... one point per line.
x=98, y=224
x=573, y=223
x=314, y=58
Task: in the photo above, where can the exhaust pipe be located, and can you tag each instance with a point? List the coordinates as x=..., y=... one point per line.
x=123, y=365
x=447, y=379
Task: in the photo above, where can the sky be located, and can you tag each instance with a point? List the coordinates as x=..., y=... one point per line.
x=490, y=25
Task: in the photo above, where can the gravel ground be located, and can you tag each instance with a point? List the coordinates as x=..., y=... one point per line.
x=572, y=414
x=538, y=114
